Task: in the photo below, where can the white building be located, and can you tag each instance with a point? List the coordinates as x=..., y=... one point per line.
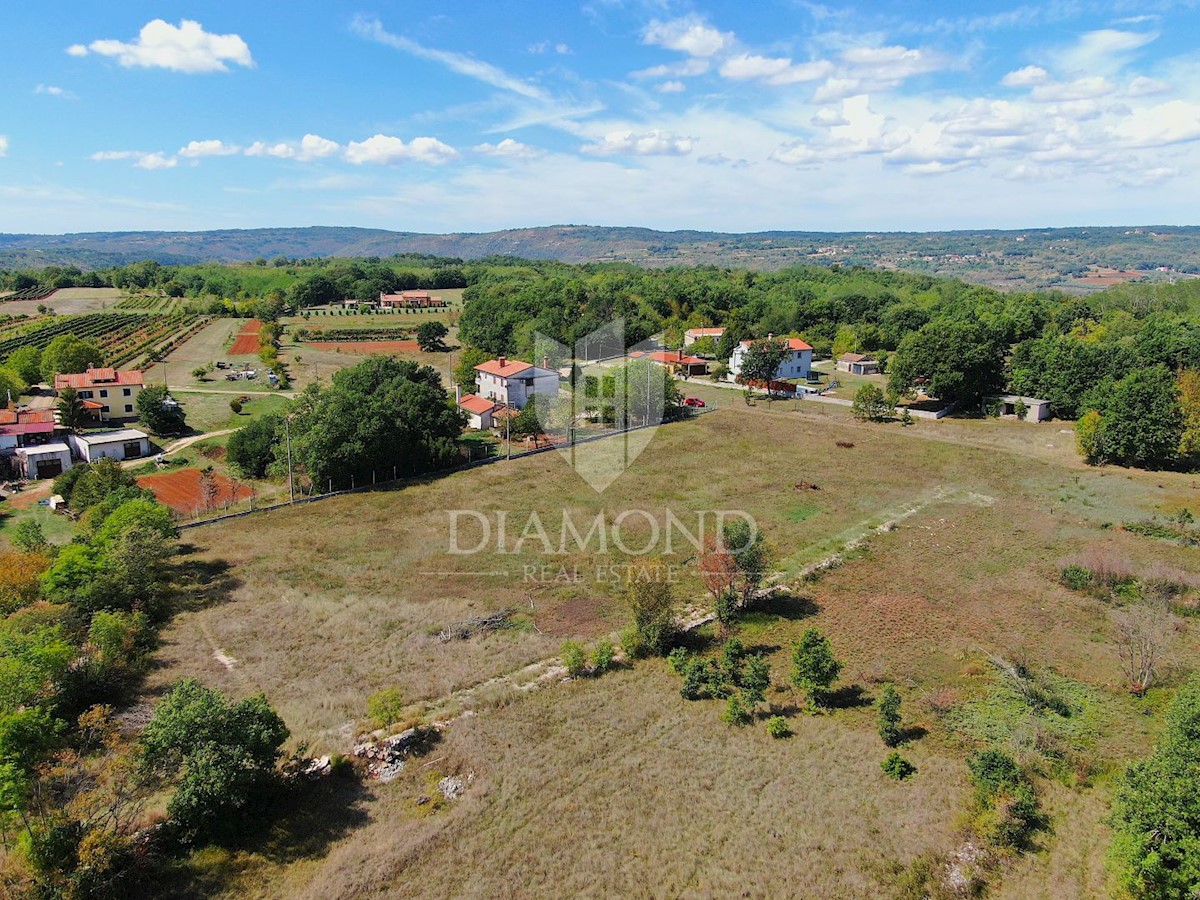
x=479, y=411
x=512, y=382
x=857, y=364
x=129, y=443
x=797, y=364
x=694, y=334
x=43, y=461
x=1035, y=410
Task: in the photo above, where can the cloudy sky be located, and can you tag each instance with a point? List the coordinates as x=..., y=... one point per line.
x=781, y=114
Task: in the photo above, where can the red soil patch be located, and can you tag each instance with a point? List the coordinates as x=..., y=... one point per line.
x=368, y=346
x=246, y=343
x=181, y=490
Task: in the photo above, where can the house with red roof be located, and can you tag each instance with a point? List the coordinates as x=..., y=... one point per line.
x=678, y=363
x=26, y=428
x=106, y=393
x=511, y=382
x=410, y=300
x=797, y=364
x=694, y=334
x=480, y=411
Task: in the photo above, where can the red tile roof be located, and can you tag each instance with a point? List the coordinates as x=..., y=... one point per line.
x=26, y=416
x=97, y=378
x=29, y=428
x=504, y=368
x=792, y=343
x=705, y=332
x=473, y=403
x=668, y=357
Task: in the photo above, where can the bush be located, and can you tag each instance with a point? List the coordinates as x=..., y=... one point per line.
x=385, y=706
x=814, y=667
x=1006, y=807
x=777, y=727
x=889, y=716
x=235, y=406
x=677, y=659
x=1077, y=578
x=574, y=658
x=735, y=712
x=652, y=608
x=897, y=767
x=602, y=656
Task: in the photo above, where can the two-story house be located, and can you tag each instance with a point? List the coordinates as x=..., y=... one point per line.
x=106, y=393
x=510, y=382
x=797, y=364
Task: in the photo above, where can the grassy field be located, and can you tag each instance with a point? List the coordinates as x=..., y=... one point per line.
x=211, y=412
x=65, y=301
x=617, y=786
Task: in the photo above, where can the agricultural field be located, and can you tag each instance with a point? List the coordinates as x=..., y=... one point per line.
x=64, y=301
x=948, y=539
x=210, y=344
x=183, y=490
x=123, y=338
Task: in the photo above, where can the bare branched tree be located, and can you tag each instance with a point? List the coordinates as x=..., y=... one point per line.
x=1143, y=635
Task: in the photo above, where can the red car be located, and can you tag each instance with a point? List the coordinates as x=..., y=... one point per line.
x=693, y=401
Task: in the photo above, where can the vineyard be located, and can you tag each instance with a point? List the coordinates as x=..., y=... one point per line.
x=121, y=337
x=148, y=303
x=32, y=293
x=352, y=334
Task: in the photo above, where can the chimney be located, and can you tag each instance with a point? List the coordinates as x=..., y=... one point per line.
x=770, y=335
x=503, y=360
x=680, y=356
x=545, y=362
x=457, y=393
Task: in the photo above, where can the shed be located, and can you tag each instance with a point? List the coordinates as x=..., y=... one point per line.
x=479, y=411
x=43, y=461
x=858, y=364
x=128, y=443
x=1035, y=410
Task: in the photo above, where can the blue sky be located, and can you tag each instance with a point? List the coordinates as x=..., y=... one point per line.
x=434, y=116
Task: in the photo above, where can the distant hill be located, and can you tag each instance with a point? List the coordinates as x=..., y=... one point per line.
x=1074, y=258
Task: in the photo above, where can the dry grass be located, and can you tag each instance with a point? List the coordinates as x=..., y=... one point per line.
x=616, y=786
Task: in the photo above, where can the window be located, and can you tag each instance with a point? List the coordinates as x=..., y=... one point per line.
x=85, y=395
x=132, y=450
x=128, y=407
x=126, y=392
x=105, y=410
x=103, y=392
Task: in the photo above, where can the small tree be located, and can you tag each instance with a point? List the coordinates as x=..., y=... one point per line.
x=872, y=404
x=762, y=361
x=1143, y=635
x=159, y=412
x=755, y=679
x=235, y=406
x=651, y=605
x=28, y=537
x=574, y=658
x=208, y=488
x=385, y=706
x=431, y=336
x=200, y=373
x=889, y=716
x=745, y=543
x=814, y=667
x=70, y=409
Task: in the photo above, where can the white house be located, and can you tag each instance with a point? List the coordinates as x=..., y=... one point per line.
x=512, y=382
x=694, y=334
x=43, y=461
x=1035, y=410
x=480, y=411
x=858, y=364
x=797, y=364
x=129, y=443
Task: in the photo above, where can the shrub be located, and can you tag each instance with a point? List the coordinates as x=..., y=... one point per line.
x=814, y=667
x=1077, y=578
x=574, y=658
x=897, y=767
x=385, y=706
x=602, y=656
x=28, y=537
x=235, y=406
x=777, y=727
x=735, y=712
x=1006, y=807
x=889, y=716
x=652, y=609
x=677, y=659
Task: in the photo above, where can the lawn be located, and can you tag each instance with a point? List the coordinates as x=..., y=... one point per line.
x=211, y=412
x=617, y=785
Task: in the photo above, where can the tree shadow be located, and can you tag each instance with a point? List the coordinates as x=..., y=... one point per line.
x=204, y=582
x=850, y=696
x=792, y=607
x=304, y=817
x=911, y=733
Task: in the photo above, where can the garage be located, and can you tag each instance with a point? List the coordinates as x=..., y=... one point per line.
x=44, y=461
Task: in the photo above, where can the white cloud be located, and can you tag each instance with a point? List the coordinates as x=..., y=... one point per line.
x=651, y=143
x=1026, y=77
x=373, y=30
x=197, y=149
x=1174, y=122
x=384, y=150
x=671, y=87
x=690, y=35
x=53, y=90
x=684, y=68
x=1102, y=52
x=183, y=48
x=937, y=167
x=796, y=153
x=509, y=149
x=310, y=147
x=827, y=117
x=1087, y=88
x=562, y=49
x=773, y=70
x=1143, y=86
x=836, y=89
x=142, y=160
x=3, y=145
x=720, y=159
x=892, y=64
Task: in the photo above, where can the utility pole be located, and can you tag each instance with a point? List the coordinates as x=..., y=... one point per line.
x=287, y=427
x=508, y=434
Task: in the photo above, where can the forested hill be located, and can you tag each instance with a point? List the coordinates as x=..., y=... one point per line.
x=1079, y=258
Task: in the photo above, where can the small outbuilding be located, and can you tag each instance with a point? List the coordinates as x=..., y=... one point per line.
x=858, y=364
x=479, y=411
x=128, y=443
x=43, y=460
x=1028, y=409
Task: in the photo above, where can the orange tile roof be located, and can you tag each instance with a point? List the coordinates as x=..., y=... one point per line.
x=26, y=416
x=705, y=332
x=473, y=403
x=97, y=378
x=792, y=343
x=668, y=356
x=510, y=367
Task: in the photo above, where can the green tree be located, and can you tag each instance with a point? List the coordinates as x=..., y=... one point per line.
x=11, y=386
x=431, y=336
x=1140, y=424
x=754, y=680
x=158, y=412
x=762, y=360
x=889, y=716
x=251, y=449
x=71, y=412
x=464, y=369
x=88, y=484
x=69, y=354
x=751, y=557
x=28, y=537
x=27, y=363
x=814, y=667
x=651, y=604
x=218, y=753
x=958, y=361
x=871, y=404
x=1156, y=809
x=385, y=706
x=1188, y=386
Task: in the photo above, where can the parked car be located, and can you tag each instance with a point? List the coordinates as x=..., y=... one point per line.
x=693, y=401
